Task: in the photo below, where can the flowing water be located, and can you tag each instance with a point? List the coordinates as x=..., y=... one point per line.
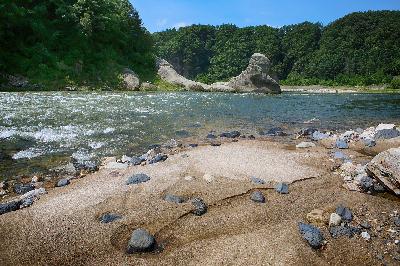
x=44, y=129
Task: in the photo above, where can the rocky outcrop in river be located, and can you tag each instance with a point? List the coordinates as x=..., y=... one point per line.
x=255, y=78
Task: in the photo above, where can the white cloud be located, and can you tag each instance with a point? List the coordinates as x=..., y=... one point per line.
x=180, y=25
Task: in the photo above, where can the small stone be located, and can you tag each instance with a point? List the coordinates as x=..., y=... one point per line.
x=137, y=160
x=193, y=145
x=63, y=182
x=312, y=235
x=215, y=144
x=257, y=196
x=126, y=159
x=366, y=183
x=23, y=188
x=200, y=207
x=345, y=213
x=397, y=221
x=397, y=241
x=339, y=155
x=35, y=179
x=211, y=136
x=109, y=217
x=378, y=188
x=276, y=131
x=380, y=257
x=174, y=198
x=141, y=241
x=137, y=179
x=9, y=206
x=341, y=144
x=317, y=135
x=365, y=225
x=369, y=142
x=335, y=219
x=304, y=145
x=257, y=180
x=233, y=134
x=282, y=188
x=3, y=192
x=158, y=158
x=349, y=231
x=366, y=236
x=188, y=178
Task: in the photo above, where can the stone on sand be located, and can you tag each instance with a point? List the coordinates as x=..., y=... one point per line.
x=312, y=235
x=137, y=179
x=282, y=188
x=304, y=145
x=200, y=206
x=141, y=241
x=257, y=196
x=63, y=182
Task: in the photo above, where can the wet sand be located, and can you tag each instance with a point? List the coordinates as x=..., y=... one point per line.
x=63, y=227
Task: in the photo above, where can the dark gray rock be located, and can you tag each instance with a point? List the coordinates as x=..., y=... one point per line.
x=154, y=146
x=397, y=221
x=251, y=137
x=369, y=142
x=193, y=145
x=307, y=131
x=349, y=231
x=339, y=155
x=366, y=183
x=341, y=144
x=276, y=131
x=141, y=241
x=158, y=158
x=88, y=166
x=232, y=134
x=378, y=188
x=282, y=188
x=215, y=144
x=109, y=218
x=174, y=198
x=257, y=180
x=63, y=182
x=345, y=213
x=365, y=225
x=137, y=179
x=9, y=206
x=211, y=136
x=23, y=188
x=137, y=160
x=387, y=134
x=312, y=235
x=257, y=196
x=200, y=207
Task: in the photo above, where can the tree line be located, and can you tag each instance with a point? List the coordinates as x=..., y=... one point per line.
x=361, y=48
x=81, y=42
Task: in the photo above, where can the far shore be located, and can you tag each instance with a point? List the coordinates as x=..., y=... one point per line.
x=338, y=89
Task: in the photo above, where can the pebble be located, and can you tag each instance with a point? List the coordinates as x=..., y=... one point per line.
x=9, y=206
x=317, y=135
x=200, y=207
x=211, y=136
x=215, y=144
x=63, y=182
x=316, y=217
x=365, y=225
x=366, y=236
x=3, y=192
x=345, y=213
x=349, y=231
x=369, y=142
x=158, y=158
x=282, y=188
x=208, y=177
x=312, y=235
x=22, y=189
x=193, y=145
x=257, y=180
x=141, y=241
x=109, y=217
x=335, y=219
x=341, y=144
x=137, y=160
x=304, y=145
x=397, y=242
x=339, y=155
x=126, y=159
x=35, y=179
x=257, y=196
x=276, y=131
x=397, y=221
x=137, y=179
x=174, y=198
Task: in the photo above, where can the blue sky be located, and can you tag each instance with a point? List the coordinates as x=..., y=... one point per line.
x=163, y=14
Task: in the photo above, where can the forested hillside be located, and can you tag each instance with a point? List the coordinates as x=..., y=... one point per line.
x=358, y=49
x=82, y=42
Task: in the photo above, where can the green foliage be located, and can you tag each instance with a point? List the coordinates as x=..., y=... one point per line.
x=360, y=49
x=395, y=83
x=78, y=42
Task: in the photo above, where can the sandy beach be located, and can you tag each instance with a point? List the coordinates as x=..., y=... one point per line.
x=63, y=227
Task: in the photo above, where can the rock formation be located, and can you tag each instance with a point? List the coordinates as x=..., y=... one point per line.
x=255, y=78
x=130, y=80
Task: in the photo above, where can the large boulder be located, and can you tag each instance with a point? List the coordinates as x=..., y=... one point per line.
x=130, y=80
x=167, y=72
x=385, y=168
x=256, y=77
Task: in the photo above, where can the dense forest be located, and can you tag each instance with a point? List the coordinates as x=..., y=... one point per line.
x=83, y=42
x=358, y=49
x=57, y=43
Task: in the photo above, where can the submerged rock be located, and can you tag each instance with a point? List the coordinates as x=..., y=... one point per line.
x=141, y=241
x=257, y=196
x=312, y=235
x=137, y=179
x=385, y=168
x=200, y=207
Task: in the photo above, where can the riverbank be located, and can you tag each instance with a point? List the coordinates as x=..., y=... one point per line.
x=338, y=89
x=64, y=226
